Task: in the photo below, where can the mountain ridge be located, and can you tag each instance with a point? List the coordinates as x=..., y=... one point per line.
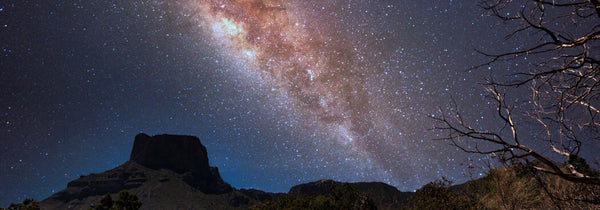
x=172, y=172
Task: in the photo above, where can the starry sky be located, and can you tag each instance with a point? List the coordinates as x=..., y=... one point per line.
x=280, y=92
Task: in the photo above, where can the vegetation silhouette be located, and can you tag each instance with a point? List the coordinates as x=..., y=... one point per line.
x=126, y=201
x=28, y=204
x=550, y=107
x=520, y=186
x=342, y=196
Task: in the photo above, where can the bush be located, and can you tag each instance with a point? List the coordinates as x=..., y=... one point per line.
x=343, y=196
x=28, y=204
x=126, y=201
x=438, y=195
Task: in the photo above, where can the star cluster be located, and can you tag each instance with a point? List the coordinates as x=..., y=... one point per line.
x=280, y=92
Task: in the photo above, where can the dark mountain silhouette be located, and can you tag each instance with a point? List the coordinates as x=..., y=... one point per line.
x=383, y=195
x=183, y=155
x=172, y=172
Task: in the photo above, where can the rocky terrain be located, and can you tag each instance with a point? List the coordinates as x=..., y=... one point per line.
x=172, y=172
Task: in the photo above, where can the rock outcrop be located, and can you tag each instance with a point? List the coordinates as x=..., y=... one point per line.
x=173, y=172
x=181, y=154
x=174, y=152
x=166, y=172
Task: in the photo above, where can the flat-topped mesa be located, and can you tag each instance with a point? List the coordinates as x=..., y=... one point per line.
x=175, y=152
x=181, y=154
x=173, y=172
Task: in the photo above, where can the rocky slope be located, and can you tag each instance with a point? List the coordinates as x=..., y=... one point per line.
x=166, y=172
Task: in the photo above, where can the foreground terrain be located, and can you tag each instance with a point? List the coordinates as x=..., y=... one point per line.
x=172, y=172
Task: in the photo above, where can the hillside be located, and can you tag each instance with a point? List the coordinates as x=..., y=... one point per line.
x=172, y=172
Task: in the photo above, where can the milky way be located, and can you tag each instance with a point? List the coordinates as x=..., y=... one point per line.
x=280, y=92
x=318, y=75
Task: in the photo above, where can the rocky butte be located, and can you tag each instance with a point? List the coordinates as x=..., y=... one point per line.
x=173, y=172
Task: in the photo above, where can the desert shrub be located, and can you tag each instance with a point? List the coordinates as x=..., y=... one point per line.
x=126, y=201
x=28, y=204
x=510, y=189
x=438, y=195
x=570, y=195
x=343, y=196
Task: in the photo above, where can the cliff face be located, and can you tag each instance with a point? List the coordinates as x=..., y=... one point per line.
x=181, y=154
x=174, y=152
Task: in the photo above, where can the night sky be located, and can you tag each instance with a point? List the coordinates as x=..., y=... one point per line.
x=280, y=92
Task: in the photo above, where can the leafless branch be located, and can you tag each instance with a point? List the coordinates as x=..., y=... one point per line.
x=564, y=38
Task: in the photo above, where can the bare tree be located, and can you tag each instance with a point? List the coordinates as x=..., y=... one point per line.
x=562, y=37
